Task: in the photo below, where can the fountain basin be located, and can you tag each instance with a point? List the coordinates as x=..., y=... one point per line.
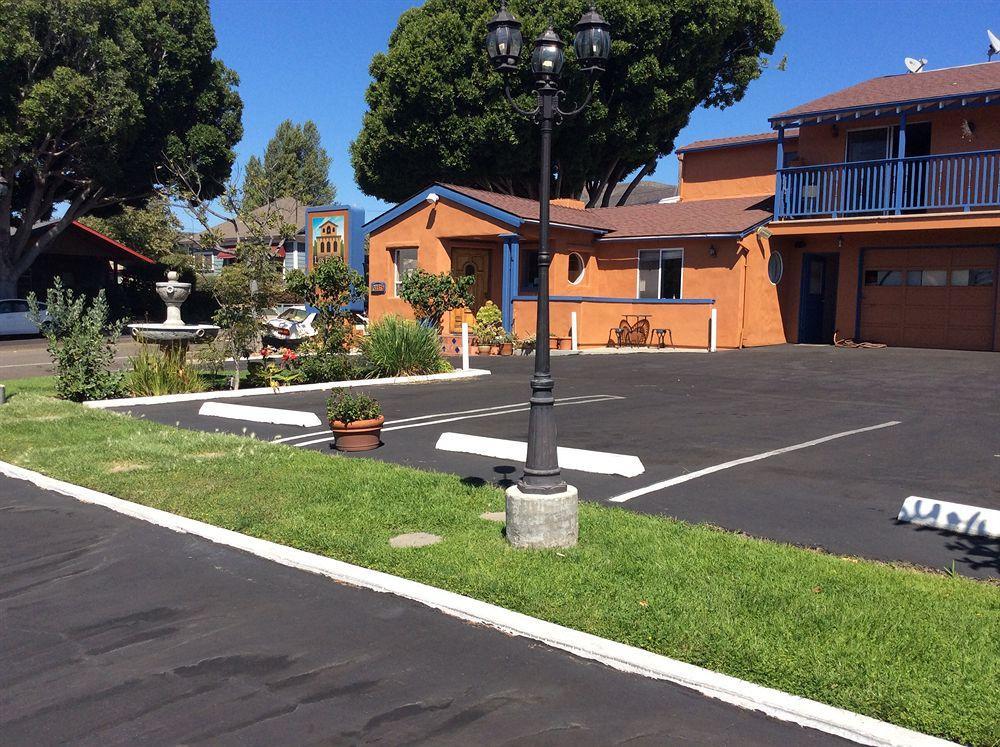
x=173, y=333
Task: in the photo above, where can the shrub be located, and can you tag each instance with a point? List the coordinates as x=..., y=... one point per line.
x=489, y=324
x=81, y=343
x=329, y=365
x=432, y=296
x=348, y=407
x=153, y=373
x=275, y=373
x=400, y=347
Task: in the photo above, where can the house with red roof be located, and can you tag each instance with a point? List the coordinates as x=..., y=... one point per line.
x=870, y=213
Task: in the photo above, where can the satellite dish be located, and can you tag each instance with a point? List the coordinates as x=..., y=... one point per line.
x=915, y=66
x=994, y=47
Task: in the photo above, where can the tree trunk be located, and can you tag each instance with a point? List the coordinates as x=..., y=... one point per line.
x=8, y=278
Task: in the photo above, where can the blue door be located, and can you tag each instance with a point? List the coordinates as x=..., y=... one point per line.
x=818, y=298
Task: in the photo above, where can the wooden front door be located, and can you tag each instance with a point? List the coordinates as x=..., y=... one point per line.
x=474, y=262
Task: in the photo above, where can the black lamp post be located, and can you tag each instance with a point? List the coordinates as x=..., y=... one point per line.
x=592, y=44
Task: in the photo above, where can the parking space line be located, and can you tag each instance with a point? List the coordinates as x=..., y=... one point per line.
x=745, y=460
x=513, y=409
x=446, y=414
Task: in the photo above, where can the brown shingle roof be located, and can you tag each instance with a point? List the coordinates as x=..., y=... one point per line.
x=728, y=216
x=734, y=215
x=736, y=140
x=523, y=207
x=908, y=87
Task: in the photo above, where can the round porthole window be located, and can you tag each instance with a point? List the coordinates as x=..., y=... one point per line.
x=775, y=268
x=576, y=268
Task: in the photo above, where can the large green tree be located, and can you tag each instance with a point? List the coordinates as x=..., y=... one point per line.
x=101, y=102
x=151, y=228
x=437, y=111
x=295, y=165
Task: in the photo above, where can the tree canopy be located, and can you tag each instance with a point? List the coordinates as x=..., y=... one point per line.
x=437, y=110
x=151, y=228
x=295, y=165
x=98, y=98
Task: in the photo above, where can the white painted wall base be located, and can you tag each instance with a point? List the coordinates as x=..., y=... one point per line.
x=955, y=517
x=599, y=462
x=784, y=706
x=260, y=414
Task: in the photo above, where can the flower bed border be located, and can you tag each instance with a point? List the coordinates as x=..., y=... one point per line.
x=103, y=404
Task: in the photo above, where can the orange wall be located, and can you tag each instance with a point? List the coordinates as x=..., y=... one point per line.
x=818, y=144
x=848, y=247
x=735, y=171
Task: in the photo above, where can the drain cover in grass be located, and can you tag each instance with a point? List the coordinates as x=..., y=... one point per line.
x=414, y=539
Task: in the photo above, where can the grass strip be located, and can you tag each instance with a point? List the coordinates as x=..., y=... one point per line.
x=917, y=649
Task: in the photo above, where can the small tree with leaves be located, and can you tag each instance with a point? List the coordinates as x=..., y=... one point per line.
x=330, y=286
x=81, y=342
x=432, y=296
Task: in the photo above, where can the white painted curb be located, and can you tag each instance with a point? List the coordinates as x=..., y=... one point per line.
x=955, y=517
x=780, y=705
x=102, y=404
x=260, y=414
x=584, y=460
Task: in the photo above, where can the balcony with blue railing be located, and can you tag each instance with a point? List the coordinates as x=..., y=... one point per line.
x=891, y=186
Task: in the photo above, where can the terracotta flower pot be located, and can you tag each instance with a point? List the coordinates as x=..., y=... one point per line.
x=361, y=435
x=507, y=348
x=553, y=343
x=494, y=350
x=483, y=349
x=565, y=343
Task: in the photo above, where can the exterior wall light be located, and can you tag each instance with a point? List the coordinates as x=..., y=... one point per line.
x=548, y=58
x=592, y=42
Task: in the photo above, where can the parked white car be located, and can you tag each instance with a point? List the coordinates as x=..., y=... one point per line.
x=291, y=326
x=15, y=319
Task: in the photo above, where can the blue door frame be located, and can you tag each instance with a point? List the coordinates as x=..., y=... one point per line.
x=509, y=267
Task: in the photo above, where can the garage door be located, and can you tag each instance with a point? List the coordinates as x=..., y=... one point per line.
x=930, y=298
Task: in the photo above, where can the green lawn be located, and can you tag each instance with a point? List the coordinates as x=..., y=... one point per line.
x=918, y=649
x=45, y=385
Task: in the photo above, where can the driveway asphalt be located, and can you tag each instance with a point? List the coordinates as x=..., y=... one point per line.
x=682, y=413
x=21, y=357
x=115, y=631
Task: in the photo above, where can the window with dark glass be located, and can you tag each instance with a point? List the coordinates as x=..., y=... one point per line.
x=883, y=277
x=972, y=277
x=660, y=273
x=528, y=261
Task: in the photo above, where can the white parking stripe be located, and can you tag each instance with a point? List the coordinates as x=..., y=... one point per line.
x=589, y=398
x=745, y=460
x=563, y=403
x=583, y=460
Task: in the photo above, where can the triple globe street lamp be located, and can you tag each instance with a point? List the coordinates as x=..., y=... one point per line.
x=541, y=507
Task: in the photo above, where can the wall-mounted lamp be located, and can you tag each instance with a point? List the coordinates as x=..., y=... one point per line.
x=432, y=198
x=763, y=232
x=840, y=242
x=968, y=129
x=712, y=251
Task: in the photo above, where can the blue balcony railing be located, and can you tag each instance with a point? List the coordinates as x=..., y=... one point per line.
x=957, y=181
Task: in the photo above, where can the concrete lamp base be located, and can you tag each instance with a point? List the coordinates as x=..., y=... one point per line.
x=539, y=521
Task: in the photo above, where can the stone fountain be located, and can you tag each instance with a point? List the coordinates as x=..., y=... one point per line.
x=173, y=334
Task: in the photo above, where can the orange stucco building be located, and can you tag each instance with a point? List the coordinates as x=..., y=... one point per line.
x=873, y=212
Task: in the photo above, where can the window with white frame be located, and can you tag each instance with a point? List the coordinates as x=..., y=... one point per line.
x=404, y=261
x=660, y=273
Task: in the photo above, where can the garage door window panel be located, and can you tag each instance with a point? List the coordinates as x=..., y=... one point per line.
x=884, y=278
x=980, y=278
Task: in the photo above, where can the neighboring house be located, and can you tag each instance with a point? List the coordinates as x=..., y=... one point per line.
x=646, y=192
x=886, y=227
x=86, y=260
x=289, y=252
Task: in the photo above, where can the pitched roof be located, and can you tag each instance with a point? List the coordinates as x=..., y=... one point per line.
x=291, y=211
x=736, y=140
x=646, y=192
x=730, y=216
x=932, y=85
x=527, y=209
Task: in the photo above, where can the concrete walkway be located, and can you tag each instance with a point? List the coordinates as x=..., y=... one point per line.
x=113, y=631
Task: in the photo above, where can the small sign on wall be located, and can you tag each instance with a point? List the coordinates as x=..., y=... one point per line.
x=378, y=289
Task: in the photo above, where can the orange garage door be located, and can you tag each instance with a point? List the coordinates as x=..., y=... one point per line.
x=930, y=298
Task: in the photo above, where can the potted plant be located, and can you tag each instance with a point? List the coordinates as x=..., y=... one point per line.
x=482, y=344
x=507, y=344
x=489, y=328
x=527, y=345
x=553, y=342
x=356, y=421
x=564, y=343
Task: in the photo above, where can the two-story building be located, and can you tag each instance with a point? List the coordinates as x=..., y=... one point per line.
x=873, y=212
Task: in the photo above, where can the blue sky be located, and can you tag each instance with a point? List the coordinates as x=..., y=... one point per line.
x=308, y=59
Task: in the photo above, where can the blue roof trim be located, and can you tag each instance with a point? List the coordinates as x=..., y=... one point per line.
x=451, y=195
x=608, y=299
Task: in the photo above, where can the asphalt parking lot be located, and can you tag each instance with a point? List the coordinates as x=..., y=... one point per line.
x=829, y=442
x=117, y=632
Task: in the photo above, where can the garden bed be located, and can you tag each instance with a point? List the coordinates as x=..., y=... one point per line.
x=913, y=648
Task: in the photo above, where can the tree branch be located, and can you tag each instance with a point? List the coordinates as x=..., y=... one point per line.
x=643, y=172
